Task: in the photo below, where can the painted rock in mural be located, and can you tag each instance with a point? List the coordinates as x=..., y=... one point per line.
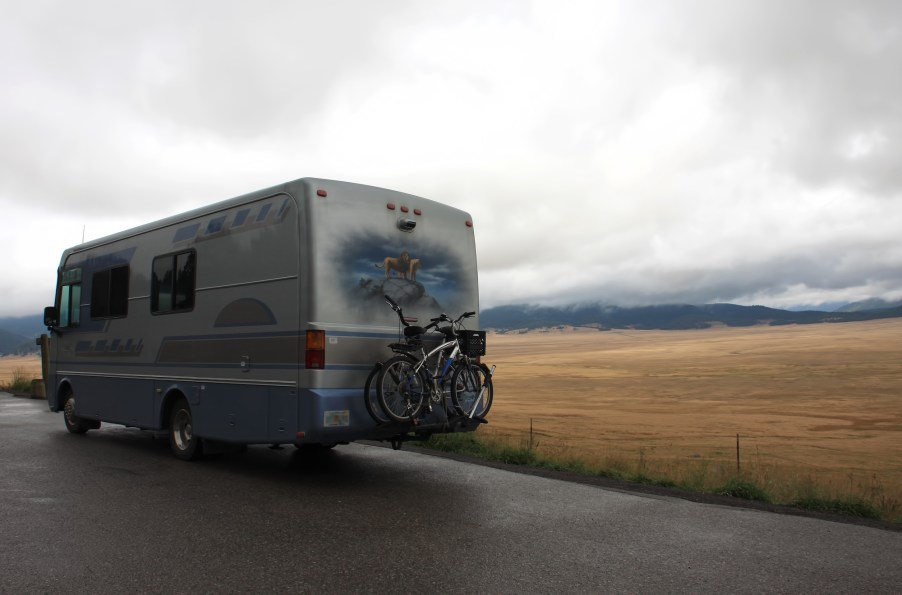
x=409, y=294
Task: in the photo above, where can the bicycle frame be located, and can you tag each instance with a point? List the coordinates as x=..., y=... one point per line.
x=446, y=364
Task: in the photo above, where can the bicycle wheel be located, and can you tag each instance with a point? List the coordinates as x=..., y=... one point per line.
x=371, y=399
x=401, y=389
x=467, y=392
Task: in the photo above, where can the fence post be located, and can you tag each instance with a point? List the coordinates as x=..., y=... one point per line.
x=530, y=434
x=737, y=453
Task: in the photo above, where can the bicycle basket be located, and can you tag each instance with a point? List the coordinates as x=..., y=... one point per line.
x=472, y=343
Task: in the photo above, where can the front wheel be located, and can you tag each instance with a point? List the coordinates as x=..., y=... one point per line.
x=74, y=424
x=182, y=440
x=401, y=389
x=471, y=390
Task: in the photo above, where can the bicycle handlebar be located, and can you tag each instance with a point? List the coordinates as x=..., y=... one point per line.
x=394, y=305
x=433, y=322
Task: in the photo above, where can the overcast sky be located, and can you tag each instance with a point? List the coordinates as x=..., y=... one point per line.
x=615, y=151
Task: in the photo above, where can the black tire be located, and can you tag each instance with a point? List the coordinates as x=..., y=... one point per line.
x=182, y=440
x=466, y=385
x=75, y=424
x=401, y=390
x=371, y=398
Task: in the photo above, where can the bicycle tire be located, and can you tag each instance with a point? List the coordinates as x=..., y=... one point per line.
x=371, y=399
x=400, y=389
x=466, y=385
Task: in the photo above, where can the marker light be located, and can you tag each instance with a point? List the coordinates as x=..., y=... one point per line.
x=321, y=193
x=315, y=355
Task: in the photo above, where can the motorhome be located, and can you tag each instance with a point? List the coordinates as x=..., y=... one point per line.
x=255, y=320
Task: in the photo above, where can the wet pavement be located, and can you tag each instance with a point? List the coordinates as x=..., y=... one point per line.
x=113, y=511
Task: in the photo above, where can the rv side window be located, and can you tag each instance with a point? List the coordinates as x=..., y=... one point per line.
x=172, y=283
x=70, y=298
x=109, y=293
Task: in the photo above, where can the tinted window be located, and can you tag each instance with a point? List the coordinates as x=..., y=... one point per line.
x=70, y=298
x=172, y=283
x=109, y=293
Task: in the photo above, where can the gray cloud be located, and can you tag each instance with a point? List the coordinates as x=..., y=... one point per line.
x=821, y=78
x=688, y=151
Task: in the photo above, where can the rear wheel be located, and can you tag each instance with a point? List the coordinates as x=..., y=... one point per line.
x=182, y=440
x=74, y=424
x=471, y=389
x=401, y=389
x=371, y=397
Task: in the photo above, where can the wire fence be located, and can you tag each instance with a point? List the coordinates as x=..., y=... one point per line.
x=786, y=465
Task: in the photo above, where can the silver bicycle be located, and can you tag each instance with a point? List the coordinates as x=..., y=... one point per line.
x=415, y=381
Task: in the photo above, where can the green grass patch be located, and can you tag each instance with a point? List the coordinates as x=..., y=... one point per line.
x=494, y=450
x=695, y=476
x=847, y=506
x=747, y=490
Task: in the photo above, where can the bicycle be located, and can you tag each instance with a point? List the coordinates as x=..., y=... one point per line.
x=404, y=383
x=412, y=340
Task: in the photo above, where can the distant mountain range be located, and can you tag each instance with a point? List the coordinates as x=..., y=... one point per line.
x=666, y=317
x=866, y=305
x=17, y=335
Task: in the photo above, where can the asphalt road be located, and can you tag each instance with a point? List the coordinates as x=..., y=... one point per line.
x=114, y=512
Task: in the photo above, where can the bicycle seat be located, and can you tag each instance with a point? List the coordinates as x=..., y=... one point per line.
x=413, y=331
x=405, y=347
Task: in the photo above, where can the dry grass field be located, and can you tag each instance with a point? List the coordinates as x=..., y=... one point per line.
x=817, y=407
x=28, y=366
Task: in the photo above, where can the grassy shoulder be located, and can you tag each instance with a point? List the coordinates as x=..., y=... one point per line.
x=21, y=382
x=805, y=496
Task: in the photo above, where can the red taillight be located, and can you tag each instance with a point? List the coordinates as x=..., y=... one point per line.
x=417, y=212
x=390, y=206
x=315, y=354
x=322, y=193
x=405, y=209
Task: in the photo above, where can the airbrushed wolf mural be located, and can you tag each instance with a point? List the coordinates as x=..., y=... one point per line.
x=425, y=279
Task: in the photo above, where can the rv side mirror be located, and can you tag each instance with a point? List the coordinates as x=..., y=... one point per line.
x=51, y=317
